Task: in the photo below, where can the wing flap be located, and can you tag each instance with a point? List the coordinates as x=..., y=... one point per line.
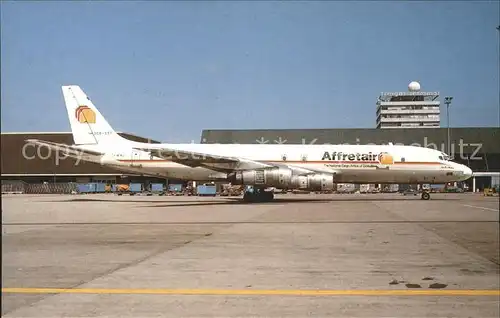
x=188, y=156
x=210, y=161
x=221, y=163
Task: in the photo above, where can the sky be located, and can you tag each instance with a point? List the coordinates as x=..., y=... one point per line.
x=169, y=69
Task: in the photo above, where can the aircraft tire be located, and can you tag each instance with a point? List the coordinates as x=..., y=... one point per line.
x=267, y=196
x=249, y=197
x=426, y=195
x=262, y=196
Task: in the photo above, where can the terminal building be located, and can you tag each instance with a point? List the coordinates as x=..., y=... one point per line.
x=411, y=109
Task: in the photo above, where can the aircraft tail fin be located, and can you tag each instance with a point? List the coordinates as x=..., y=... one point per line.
x=88, y=126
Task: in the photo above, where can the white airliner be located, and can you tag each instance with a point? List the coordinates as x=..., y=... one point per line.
x=307, y=167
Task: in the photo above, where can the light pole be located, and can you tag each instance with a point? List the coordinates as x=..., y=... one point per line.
x=498, y=28
x=447, y=101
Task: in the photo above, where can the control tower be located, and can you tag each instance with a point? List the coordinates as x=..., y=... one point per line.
x=411, y=109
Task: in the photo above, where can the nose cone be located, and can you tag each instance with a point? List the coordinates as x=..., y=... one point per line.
x=467, y=172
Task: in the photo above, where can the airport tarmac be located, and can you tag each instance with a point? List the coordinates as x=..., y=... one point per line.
x=359, y=255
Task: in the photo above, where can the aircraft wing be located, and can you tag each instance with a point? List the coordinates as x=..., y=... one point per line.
x=219, y=163
x=66, y=149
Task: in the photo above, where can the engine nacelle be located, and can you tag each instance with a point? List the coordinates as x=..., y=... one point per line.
x=313, y=182
x=284, y=178
x=274, y=177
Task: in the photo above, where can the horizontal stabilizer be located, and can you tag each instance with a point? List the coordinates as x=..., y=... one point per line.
x=67, y=149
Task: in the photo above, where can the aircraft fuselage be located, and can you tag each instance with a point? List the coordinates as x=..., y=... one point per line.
x=349, y=163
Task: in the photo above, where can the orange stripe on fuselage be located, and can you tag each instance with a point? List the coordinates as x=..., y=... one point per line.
x=417, y=163
x=304, y=162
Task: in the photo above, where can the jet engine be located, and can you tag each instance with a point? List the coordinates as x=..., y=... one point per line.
x=313, y=182
x=283, y=178
x=273, y=177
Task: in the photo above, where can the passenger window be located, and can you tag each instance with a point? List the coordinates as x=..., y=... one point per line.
x=441, y=158
x=402, y=159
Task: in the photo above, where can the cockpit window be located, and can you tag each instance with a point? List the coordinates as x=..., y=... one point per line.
x=444, y=157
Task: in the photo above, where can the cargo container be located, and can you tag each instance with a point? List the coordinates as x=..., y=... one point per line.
x=135, y=187
x=175, y=187
x=100, y=187
x=120, y=187
x=92, y=187
x=83, y=188
x=206, y=190
x=157, y=187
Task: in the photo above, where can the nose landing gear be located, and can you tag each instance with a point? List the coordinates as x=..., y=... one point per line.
x=425, y=195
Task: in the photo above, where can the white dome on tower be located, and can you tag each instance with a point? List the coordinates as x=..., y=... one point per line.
x=414, y=86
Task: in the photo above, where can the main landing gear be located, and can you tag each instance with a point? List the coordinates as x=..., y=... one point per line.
x=257, y=194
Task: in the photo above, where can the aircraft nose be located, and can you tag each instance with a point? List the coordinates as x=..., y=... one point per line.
x=467, y=172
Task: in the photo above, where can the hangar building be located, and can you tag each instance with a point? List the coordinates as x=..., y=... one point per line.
x=37, y=165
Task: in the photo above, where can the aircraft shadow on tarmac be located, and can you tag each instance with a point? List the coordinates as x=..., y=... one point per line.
x=238, y=201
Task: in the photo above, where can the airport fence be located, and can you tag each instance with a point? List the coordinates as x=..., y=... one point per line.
x=13, y=186
x=51, y=188
x=21, y=187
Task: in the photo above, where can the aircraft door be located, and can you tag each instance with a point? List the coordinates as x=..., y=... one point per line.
x=135, y=159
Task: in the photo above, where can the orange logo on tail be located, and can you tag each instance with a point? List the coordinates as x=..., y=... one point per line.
x=85, y=115
x=385, y=158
